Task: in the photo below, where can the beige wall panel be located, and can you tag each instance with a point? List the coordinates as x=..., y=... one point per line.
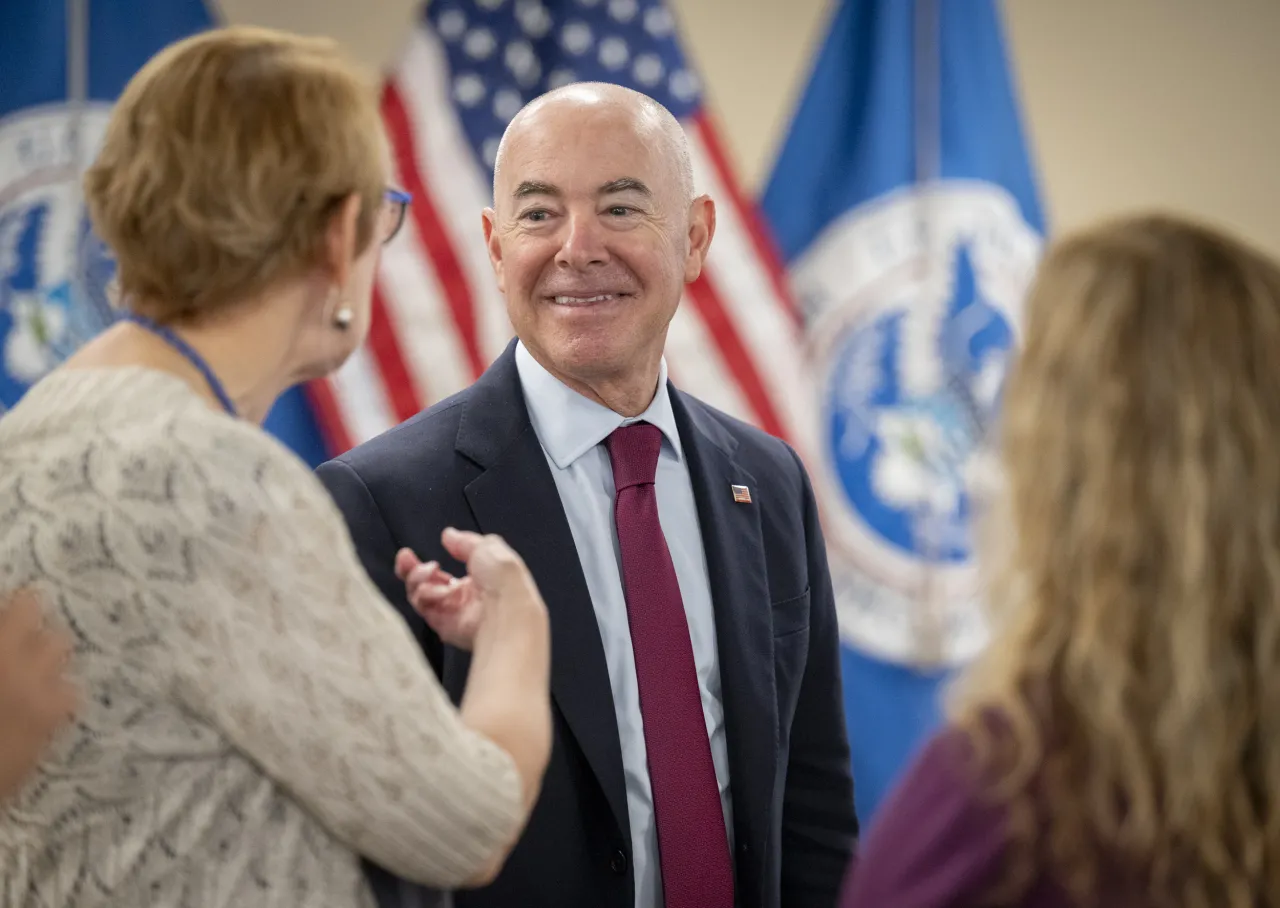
x=1128, y=103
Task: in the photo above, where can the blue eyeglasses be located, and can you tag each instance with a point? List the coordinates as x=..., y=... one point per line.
x=397, y=204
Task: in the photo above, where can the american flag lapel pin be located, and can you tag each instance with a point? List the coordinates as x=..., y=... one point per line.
x=741, y=494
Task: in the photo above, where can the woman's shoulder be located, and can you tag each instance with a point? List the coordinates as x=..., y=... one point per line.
x=236, y=472
x=947, y=780
x=937, y=835
x=143, y=440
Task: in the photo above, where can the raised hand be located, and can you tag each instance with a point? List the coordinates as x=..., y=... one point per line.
x=456, y=608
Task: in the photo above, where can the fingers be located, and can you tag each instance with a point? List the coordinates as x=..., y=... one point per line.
x=427, y=585
x=450, y=595
x=426, y=573
x=429, y=582
x=488, y=557
x=435, y=584
x=461, y=544
x=433, y=592
x=406, y=561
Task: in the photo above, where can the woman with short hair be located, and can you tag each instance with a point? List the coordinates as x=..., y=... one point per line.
x=256, y=717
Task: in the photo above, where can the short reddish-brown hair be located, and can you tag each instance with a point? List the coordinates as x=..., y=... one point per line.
x=223, y=162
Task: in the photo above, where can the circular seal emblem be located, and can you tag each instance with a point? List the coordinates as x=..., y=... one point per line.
x=54, y=271
x=913, y=304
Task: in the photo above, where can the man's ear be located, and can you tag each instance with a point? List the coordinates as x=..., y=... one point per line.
x=340, y=239
x=702, y=227
x=489, y=218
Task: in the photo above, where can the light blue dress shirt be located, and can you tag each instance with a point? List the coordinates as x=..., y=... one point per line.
x=571, y=429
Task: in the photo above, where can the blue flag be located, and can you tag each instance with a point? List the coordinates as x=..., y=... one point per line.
x=905, y=207
x=64, y=64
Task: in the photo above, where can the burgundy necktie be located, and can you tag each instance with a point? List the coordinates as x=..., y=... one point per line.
x=693, y=848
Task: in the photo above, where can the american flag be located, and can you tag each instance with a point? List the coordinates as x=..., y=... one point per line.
x=438, y=319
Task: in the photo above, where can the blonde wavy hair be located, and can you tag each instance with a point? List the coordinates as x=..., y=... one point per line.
x=1135, y=665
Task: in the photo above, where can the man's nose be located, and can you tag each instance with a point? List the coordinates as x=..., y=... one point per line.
x=584, y=242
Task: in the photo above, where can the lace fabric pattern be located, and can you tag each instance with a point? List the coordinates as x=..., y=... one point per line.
x=255, y=715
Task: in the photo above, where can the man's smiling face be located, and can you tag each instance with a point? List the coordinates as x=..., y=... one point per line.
x=594, y=234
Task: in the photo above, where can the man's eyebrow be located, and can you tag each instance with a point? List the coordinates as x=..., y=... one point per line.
x=624, y=184
x=535, y=187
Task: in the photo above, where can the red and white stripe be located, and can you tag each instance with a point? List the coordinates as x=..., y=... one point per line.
x=438, y=319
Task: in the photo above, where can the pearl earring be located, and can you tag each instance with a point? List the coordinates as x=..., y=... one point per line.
x=342, y=318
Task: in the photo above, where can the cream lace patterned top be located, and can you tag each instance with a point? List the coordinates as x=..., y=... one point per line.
x=255, y=714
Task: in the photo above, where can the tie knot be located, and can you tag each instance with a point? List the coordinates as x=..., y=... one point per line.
x=633, y=451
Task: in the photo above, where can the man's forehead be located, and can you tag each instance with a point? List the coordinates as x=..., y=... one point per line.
x=592, y=132
x=589, y=134
x=578, y=161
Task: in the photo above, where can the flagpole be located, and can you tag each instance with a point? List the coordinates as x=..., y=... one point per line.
x=77, y=39
x=928, y=93
x=77, y=42
x=927, y=65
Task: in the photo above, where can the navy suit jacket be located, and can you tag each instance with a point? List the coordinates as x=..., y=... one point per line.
x=474, y=462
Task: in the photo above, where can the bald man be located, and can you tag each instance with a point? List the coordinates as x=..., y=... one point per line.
x=700, y=756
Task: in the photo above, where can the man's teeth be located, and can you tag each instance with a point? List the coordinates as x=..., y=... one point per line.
x=584, y=300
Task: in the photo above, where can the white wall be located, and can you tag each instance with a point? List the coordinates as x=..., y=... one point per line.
x=1129, y=103
x=1140, y=103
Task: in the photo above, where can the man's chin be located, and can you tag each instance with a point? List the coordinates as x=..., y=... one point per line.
x=582, y=356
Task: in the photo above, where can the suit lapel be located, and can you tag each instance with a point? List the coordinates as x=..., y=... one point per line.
x=731, y=537
x=516, y=497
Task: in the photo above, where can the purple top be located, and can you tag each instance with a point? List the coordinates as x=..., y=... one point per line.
x=936, y=844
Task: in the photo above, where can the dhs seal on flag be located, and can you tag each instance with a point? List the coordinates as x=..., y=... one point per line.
x=54, y=271
x=912, y=302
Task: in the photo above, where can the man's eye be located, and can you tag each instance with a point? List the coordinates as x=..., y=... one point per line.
x=536, y=214
x=620, y=210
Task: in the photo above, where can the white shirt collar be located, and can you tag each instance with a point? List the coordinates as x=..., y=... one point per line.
x=569, y=425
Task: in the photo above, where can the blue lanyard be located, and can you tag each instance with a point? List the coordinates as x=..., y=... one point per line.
x=167, y=335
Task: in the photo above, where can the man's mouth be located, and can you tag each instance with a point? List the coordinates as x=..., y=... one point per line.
x=574, y=299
